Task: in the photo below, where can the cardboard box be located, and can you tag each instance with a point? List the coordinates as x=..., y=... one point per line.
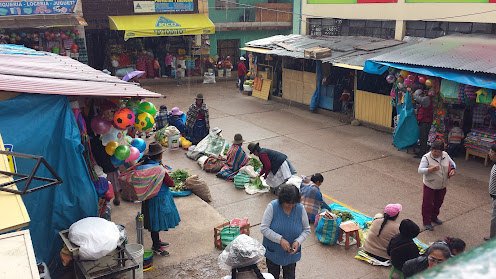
x=317, y=52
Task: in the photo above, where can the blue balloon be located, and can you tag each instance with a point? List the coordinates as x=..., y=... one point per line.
x=116, y=162
x=139, y=143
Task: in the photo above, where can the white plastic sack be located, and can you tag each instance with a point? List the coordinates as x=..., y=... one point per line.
x=99, y=171
x=201, y=160
x=96, y=237
x=295, y=180
x=171, y=131
x=208, y=78
x=249, y=171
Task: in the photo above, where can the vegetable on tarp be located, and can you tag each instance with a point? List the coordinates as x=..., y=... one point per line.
x=255, y=163
x=345, y=216
x=179, y=176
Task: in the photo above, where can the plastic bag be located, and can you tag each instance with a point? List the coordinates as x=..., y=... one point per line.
x=236, y=222
x=201, y=160
x=96, y=237
x=208, y=78
x=171, y=131
x=242, y=251
x=249, y=171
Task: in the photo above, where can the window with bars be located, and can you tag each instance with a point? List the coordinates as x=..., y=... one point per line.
x=349, y=27
x=226, y=4
x=436, y=29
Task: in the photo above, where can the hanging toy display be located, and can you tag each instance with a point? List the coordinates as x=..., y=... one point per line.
x=144, y=122
x=124, y=118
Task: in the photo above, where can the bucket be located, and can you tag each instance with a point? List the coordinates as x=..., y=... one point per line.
x=174, y=142
x=136, y=251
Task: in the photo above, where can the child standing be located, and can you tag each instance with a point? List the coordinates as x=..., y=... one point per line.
x=455, y=138
x=345, y=100
x=179, y=75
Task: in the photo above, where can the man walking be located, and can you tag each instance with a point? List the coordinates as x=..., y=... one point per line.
x=241, y=73
x=492, y=192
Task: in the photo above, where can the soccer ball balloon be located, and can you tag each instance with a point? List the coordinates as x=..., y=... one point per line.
x=144, y=122
x=124, y=118
x=148, y=107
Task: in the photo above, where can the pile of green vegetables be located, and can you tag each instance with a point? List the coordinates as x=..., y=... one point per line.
x=255, y=163
x=179, y=176
x=345, y=215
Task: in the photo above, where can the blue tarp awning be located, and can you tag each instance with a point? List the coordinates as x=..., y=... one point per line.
x=464, y=77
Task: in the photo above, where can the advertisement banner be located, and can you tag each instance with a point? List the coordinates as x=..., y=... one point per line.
x=36, y=7
x=162, y=6
x=350, y=1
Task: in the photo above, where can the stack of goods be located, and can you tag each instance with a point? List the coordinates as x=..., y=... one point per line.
x=480, y=139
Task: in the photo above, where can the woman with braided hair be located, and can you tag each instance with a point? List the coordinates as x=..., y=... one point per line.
x=383, y=228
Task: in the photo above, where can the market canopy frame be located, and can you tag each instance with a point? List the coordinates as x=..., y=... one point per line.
x=162, y=25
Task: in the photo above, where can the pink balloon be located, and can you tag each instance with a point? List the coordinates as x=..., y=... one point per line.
x=100, y=125
x=134, y=154
x=422, y=80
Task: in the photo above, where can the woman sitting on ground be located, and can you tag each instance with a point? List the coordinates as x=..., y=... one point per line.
x=383, y=228
x=241, y=257
x=437, y=253
x=401, y=248
x=236, y=159
x=176, y=120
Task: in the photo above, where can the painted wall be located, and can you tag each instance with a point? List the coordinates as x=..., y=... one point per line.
x=243, y=36
x=402, y=11
x=233, y=15
x=297, y=23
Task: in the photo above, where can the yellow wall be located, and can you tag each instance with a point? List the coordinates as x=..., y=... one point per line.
x=298, y=86
x=401, y=12
x=373, y=108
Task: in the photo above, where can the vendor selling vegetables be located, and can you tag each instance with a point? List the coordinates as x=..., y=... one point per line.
x=276, y=167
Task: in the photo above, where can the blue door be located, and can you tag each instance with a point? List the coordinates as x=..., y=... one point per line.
x=327, y=97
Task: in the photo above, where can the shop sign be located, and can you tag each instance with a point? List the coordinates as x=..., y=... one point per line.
x=31, y=7
x=10, y=158
x=174, y=6
x=351, y=1
x=144, y=7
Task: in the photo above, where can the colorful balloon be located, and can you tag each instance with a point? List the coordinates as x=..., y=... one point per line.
x=124, y=118
x=400, y=79
x=100, y=125
x=390, y=78
x=116, y=162
x=422, y=79
x=148, y=107
x=134, y=155
x=139, y=143
x=110, y=147
x=122, y=152
x=400, y=85
x=404, y=73
x=408, y=82
x=428, y=83
x=144, y=122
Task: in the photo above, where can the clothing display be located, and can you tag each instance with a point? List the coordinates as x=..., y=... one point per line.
x=480, y=139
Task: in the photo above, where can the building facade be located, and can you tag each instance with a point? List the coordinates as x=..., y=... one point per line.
x=239, y=22
x=397, y=18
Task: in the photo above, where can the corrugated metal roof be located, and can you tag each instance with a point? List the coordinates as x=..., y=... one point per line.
x=468, y=52
x=47, y=74
x=352, y=50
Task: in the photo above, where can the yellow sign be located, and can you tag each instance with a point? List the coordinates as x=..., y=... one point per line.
x=162, y=25
x=144, y=7
x=10, y=158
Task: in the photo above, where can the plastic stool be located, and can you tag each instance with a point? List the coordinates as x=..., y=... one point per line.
x=395, y=270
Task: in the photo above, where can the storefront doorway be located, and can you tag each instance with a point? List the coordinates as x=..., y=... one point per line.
x=230, y=48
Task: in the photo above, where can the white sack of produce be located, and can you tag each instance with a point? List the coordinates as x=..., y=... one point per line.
x=171, y=131
x=249, y=171
x=96, y=237
x=201, y=161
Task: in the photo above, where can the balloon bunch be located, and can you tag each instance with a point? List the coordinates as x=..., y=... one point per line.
x=113, y=125
x=402, y=80
x=68, y=34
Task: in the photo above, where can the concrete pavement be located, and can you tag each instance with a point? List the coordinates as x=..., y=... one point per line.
x=360, y=166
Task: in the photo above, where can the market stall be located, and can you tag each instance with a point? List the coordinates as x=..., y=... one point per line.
x=171, y=40
x=461, y=101
x=42, y=97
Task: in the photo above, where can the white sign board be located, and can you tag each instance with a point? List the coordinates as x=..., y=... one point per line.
x=144, y=7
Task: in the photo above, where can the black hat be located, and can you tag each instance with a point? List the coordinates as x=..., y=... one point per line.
x=253, y=146
x=153, y=149
x=238, y=138
x=199, y=96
